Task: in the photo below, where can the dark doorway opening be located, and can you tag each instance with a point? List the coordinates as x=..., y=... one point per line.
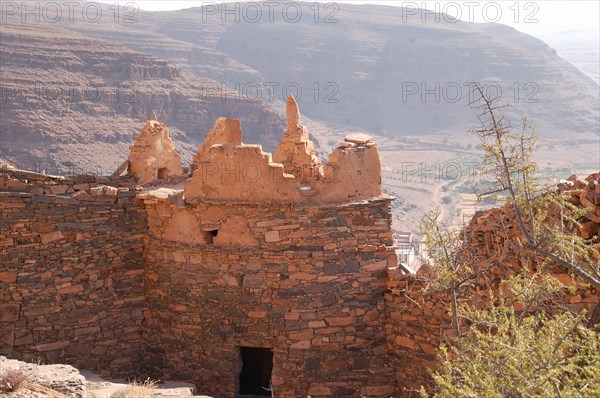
x=162, y=173
x=255, y=378
x=209, y=236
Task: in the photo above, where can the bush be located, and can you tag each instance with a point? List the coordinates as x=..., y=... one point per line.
x=137, y=389
x=11, y=380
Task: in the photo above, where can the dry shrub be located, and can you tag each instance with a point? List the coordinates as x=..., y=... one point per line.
x=137, y=389
x=11, y=380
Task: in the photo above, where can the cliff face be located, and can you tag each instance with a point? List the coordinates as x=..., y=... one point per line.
x=369, y=67
x=73, y=103
x=372, y=67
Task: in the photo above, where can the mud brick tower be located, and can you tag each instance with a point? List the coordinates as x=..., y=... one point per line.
x=271, y=268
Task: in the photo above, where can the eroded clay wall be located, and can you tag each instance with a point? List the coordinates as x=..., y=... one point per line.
x=307, y=282
x=71, y=276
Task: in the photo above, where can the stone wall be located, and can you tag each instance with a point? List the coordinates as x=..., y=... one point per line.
x=280, y=252
x=307, y=282
x=71, y=274
x=416, y=324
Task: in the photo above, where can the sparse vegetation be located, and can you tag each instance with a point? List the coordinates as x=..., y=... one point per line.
x=11, y=380
x=537, y=347
x=137, y=389
x=505, y=354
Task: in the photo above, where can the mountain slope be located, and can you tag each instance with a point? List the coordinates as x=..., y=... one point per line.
x=74, y=103
x=375, y=68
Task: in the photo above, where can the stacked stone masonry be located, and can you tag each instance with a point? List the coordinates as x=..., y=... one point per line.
x=311, y=287
x=169, y=279
x=72, y=279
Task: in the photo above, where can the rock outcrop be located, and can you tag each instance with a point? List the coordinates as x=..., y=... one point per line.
x=419, y=323
x=585, y=194
x=65, y=381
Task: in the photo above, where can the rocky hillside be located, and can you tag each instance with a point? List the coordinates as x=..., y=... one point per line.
x=74, y=103
x=369, y=67
x=75, y=93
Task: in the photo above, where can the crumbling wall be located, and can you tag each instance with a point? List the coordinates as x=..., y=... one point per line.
x=416, y=324
x=153, y=156
x=227, y=170
x=71, y=273
x=283, y=253
x=247, y=255
x=585, y=194
x=305, y=281
x=296, y=150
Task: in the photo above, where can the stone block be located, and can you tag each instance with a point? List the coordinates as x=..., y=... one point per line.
x=379, y=391
x=319, y=391
x=8, y=276
x=96, y=191
x=301, y=345
x=9, y=313
x=272, y=236
x=110, y=191
x=51, y=237
x=340, y=321
x=15, y=184
x=252, y=282
x=81, y=187
x=7, y=339
x=257, y=314
x=58, y=189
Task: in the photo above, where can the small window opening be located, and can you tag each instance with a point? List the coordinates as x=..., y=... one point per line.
x=255, y=378
x=162, y=173
x=209, y=236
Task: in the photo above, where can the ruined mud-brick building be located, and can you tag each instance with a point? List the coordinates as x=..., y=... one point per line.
x=247, y=274
x=254, y=272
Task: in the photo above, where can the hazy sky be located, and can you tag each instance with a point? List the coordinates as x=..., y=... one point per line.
x=533, y=17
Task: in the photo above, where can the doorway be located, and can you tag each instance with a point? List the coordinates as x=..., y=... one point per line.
x=255, y=378
x=162, y=173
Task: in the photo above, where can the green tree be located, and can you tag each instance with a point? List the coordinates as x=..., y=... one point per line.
x=538, y=348
x=508, y=163
x=504, y=354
